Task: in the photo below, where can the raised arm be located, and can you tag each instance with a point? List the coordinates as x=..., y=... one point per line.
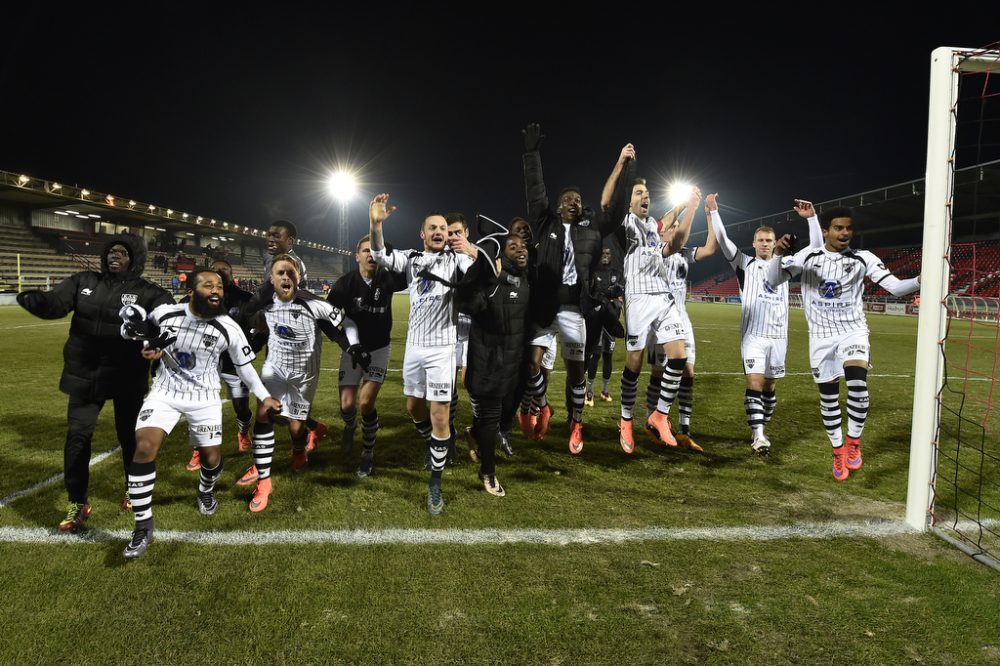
x=684, y=228
x=620, y=185
x=805, y=209
x=880, y=275
x=534, y=182
x=54, y=304
x=715, y=226
x=378, y=210
x=782, y=269
x=711, y=243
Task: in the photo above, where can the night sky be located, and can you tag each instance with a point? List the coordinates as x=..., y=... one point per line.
x=241, y=114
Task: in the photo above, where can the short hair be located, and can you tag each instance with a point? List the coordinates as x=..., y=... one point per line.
x=511, y=236
x=766, y=230
x=572, y=188
x=221, y=261
x=364, y=239
x=289, y=258
x=430, y=214
x=192, y=279
x=830, y=214
x=452, y=218
x=287, y=226
x=638, y=181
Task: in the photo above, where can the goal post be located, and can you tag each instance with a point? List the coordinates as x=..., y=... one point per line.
x=948, y=64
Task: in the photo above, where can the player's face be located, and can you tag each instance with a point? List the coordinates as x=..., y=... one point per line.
x=434, y=233
x=605, y=257
x=639, y=203
x=366, y=263
x=278, y=241
x=522, y=229
x=456, y=230
x=763, y=243
x=118, y=259
x=225, y=270
x=516, y=251
x=839, y=234
x=285, y=280
x=206, y=297
x=570, y=206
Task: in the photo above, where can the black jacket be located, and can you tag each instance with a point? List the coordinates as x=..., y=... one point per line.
x=97, y=363
x=498, y=305
x=549, y=234
x=369, y=306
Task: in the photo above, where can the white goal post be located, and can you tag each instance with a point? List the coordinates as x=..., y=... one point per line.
x=947, y=65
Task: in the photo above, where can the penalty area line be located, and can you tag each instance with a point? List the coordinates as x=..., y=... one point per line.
x=476, y=537
x=52, y=479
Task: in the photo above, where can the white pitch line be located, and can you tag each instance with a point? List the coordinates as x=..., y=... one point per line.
x=55, y=323
x=52, y=479
x=476, y=537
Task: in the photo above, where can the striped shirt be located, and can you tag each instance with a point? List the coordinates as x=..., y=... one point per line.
x=189, y=368
x=833, y=284
x=292, y=341
x=676, y=266
x=433, y=316
x=644, y=267
x=765, y=308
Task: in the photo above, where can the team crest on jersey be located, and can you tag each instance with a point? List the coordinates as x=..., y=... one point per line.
x=145, y=414
x=86, y=291
x=209, y=341
x=749, y=362
x=296, y=314
x=633, y=339
x=830, y=289
x=815, y=372
x=129, y=299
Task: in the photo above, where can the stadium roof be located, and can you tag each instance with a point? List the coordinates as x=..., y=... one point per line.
x=35, y=194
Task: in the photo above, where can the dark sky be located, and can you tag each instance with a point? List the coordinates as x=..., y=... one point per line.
x=240, y=114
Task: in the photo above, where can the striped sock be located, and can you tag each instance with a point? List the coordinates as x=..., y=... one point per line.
x=770, y=399
x=685, y=400
x=369, y=429
x=536, y=387
x=209, y=475
x=630, y=384
x=857, y=399
x=829, y=409
x=755, y=411
x=439, y=455
x=670, y=383
x=263, y=449
x=350, y=418
x=141, y=479
x=652, y=393
x=576, y=393
x=424, y=429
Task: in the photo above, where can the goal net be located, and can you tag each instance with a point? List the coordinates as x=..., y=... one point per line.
x=954, y=481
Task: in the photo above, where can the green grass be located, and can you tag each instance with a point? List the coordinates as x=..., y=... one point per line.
x=904, y=599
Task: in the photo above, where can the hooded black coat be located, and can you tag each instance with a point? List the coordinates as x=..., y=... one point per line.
x=97, y=363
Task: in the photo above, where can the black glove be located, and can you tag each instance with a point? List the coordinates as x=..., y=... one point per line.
x=614, y=291
x=31, y=300
x=359, y=357
x=532, y=137
x=164, y=339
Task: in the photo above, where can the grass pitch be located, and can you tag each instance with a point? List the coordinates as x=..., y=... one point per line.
x=901, y=598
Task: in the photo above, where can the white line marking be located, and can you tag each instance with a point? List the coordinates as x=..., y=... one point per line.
x=52, y=479
x=55, y=323
x=473, y=537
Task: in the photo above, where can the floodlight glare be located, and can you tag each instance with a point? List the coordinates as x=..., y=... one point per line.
x=341, y=185
x=678, y=193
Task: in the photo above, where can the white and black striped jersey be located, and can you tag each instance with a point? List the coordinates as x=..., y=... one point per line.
x=765, y=307
x=645, y=271
x=833, y=284
x=432, y=301
x=676, y=266
x=189, y=368
x=292, y=341
x=269, y=260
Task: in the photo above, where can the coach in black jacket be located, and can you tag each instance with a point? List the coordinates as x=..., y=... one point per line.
x=562, y=296
x=497, y=301
x=98, y=364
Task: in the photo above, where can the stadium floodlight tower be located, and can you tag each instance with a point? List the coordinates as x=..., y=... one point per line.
x=948, y=66
x=342, y=186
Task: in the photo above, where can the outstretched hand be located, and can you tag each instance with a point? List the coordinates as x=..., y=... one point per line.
x=533, y=136
x=379, y=209
x=628, y=153
x=711, y=202
x=804, y=208
x=695, y=197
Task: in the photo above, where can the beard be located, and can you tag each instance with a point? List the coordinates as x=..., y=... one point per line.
x=203, y=308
